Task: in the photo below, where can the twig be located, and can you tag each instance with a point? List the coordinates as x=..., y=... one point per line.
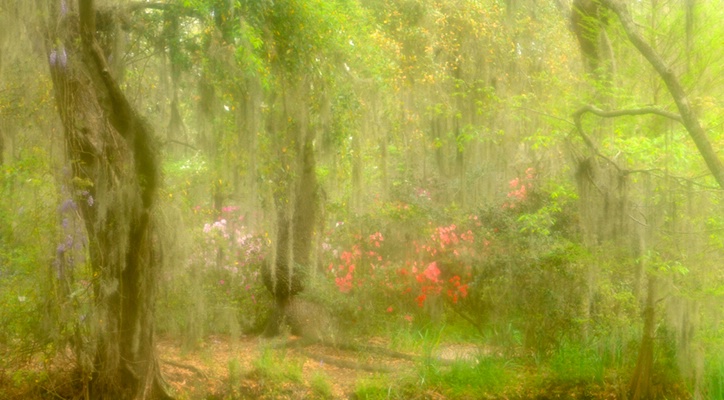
x=138, y=6
x=465, y=317
x=346, y=364
x=545, y=115
x=190, y=146
x=186, y=366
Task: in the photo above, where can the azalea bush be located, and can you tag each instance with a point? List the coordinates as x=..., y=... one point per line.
x=402, y=279
x=221, y=289
x=475, y=266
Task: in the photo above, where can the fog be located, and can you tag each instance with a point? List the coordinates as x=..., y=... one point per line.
x=361, y=199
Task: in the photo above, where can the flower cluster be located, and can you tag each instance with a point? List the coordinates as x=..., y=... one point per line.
x=448, y=249
x=439, y=267
x=344, y=272
x=519, y=189
x=230, y=252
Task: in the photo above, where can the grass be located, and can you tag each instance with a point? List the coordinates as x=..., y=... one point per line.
x=465, y=379
x=321, y=388
x=577, y=362
x=714, y=376
x=378, y=387
x=275, y=367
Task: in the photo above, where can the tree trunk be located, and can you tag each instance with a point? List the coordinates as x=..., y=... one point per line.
x=305, y=206
x=641, y=388
x=297, y=208
x=115, y=175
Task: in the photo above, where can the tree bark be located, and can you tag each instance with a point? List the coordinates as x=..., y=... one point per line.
x=305, y=205
x=297, y=208
x=688, y=116
x=115, y=176
x=641, y=388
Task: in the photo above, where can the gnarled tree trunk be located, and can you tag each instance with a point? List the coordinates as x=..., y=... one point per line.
x=115, y=175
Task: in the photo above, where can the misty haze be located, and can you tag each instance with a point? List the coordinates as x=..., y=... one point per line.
x=361, y=199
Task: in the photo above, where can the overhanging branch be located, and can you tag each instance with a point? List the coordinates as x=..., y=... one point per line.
x=688, y=116
x=138, y=6
x=577, y=121
x=578, y=116
x=629, y=112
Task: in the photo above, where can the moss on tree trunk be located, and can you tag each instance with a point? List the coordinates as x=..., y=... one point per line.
x=115, y=176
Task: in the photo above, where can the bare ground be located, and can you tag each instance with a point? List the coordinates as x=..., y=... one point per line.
x=205, y=372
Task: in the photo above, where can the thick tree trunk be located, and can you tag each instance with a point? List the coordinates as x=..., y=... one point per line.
x=115, y=178
x=305, y=206
x=297, y=208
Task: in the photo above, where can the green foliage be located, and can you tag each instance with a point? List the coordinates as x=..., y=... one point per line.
x=376, y=388
x=28, y=282
x=234, y=368
x=274, y=368
x=486, y=375
x=714, y=375
x=575, y=361
x=320, y=384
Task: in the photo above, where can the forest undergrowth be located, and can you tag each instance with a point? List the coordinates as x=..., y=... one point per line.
x=249, y=367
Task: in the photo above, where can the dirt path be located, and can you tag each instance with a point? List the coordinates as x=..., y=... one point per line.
x=223, y=368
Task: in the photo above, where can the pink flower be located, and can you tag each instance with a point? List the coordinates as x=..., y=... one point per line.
x=432, y=272
x=389, y=309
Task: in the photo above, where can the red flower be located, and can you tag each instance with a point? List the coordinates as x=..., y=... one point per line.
x=344, y=283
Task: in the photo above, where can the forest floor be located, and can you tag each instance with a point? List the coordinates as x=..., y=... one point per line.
x=277, y=369
x=257, y=368
x=251, y=367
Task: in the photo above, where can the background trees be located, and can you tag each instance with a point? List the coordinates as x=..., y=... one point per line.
x=543, y=177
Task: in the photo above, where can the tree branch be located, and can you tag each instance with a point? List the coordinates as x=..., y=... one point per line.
x=86, y=12
x=578, y=116
x=688, y=116
x=544, y=114
x=635, y=111
x=138, y=6
x=190, y=146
